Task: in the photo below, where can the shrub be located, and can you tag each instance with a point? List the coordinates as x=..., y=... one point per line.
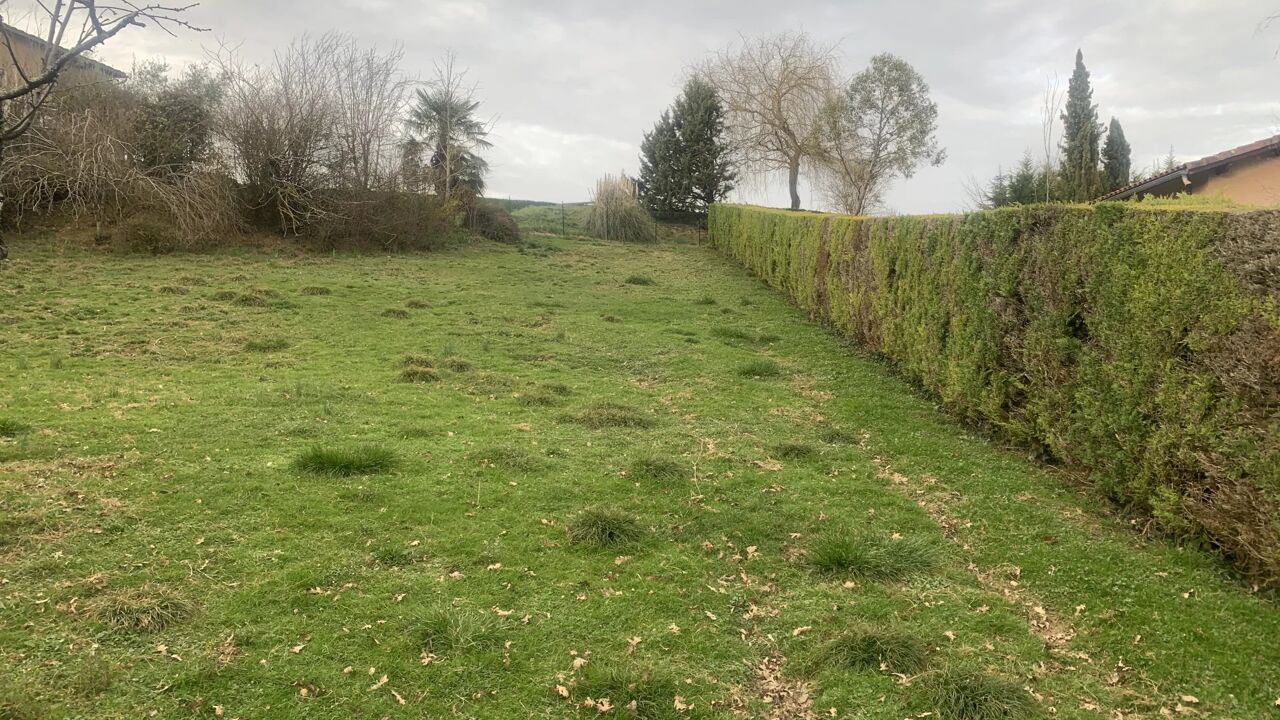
x=147, y=234
x=616, y=213
x=604, y=526
x=967, y=694
x=1138, y=342
x=494, y=222
x=345, y=462
x=873, y=557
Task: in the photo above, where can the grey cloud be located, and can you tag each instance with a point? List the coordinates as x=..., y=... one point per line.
x=575, y=83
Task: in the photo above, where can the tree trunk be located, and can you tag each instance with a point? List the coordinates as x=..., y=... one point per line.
x=793, y=180
x=4, y=251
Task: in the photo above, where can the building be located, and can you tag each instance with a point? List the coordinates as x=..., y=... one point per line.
x=1247, y=175
x=22, y=50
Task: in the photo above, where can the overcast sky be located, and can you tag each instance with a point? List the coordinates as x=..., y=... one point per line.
x=573, y=84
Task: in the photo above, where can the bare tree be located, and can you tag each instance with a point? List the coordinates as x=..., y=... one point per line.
x=71, y=29
x=880, y=127
x=370, y=93
x=1050, y=108
x=774, y=90
x=278, y=124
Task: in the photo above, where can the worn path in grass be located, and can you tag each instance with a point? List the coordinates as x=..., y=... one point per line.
x=249, y=486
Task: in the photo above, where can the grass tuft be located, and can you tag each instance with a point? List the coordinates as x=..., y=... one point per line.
x=873, y=649
x=395, y=314
x=173, y=290
x=705, y=300
x=873, y=557
x=637, y=692
x=315, y=290
x=150, y=608
x=12, y=428
x=640, y=280
x=760, y=368
x=727, y=332
x=795, y=451
x=612, y=415
x=458, y=365
x=969, y=694
x=418, y=360
x=419, y=374
x=417, y=305
x=345, y=462
x=657, y=469
x=508, y=457
x=601, y=527
x=266, y=345
x=449, y=631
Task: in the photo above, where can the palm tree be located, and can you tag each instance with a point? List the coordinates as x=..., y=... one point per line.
x=443, y=120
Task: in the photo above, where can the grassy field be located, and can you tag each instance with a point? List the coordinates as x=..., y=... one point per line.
x=572, y=479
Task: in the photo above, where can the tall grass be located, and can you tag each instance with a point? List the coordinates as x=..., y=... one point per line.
x=616, y=213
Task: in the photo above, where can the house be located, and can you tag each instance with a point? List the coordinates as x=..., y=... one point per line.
x=1247, y=175
x=22, y=53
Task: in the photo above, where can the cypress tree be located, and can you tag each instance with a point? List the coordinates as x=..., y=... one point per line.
x=658, y=183
x=685, y=162
x=1117, y=158
x=1080, y=138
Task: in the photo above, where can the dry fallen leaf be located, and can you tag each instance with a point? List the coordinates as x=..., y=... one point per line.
x=562, y=691
x=632, y=644
x=381, y=681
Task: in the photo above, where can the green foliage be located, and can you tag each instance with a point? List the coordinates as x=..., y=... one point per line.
x=1081, y=134
x=881, y=126
x=685, y=161
x=1117, y=158
x=494, y=222
x=1118, y=338
x=1025, y=185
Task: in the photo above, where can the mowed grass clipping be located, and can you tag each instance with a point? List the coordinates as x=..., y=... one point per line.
x=556, y=517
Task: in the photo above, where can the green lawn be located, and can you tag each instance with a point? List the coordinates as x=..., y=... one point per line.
x=508, y=484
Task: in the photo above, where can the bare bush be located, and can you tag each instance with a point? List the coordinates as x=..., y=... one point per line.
x=616, y=213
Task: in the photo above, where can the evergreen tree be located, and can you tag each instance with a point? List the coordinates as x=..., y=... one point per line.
x=699, y=118
x=684, y=162
x=1081, y=180
x=659, y=181
x=1117, y=158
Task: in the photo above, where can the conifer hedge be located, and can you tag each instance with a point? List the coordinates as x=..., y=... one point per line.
x=1141, y=344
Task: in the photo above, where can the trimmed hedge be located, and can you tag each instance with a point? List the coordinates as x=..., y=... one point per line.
x=1141, y=344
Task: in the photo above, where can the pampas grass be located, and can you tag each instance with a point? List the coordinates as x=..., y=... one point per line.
x=616, y=213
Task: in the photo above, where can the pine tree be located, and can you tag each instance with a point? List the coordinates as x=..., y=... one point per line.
x=706, y=164
x=1080, y=138
x=684, y=162
x=1117, y=158
x=659, y=153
